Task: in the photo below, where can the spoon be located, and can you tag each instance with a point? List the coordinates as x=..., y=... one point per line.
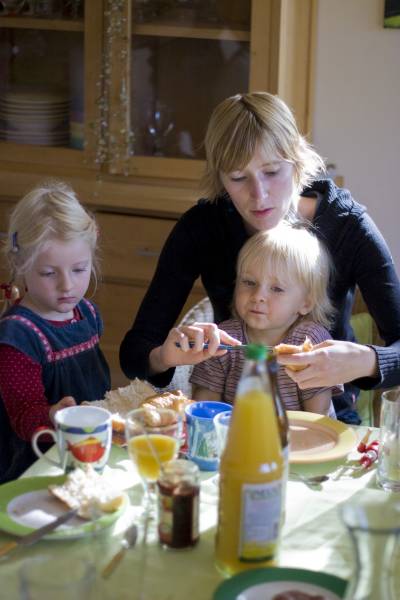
x=128, y=541
x=309, y=480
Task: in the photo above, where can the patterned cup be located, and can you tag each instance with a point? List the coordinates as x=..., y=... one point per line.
x=82, y=435
x=203, y=446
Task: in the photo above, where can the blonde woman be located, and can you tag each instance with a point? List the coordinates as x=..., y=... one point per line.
x=280, y=297
x=49, y=339
x=260, y=171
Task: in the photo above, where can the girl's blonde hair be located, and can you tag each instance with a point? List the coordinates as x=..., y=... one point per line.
x=242, y=122
x=295, y=254
x=51, y=211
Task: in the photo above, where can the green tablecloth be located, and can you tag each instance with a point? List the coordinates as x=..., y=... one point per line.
x=313, y=538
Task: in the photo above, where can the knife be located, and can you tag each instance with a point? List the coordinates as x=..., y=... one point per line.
x=35, y=536
x=224, y=346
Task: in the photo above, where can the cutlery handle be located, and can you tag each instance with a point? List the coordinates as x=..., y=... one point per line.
x=110, y=566
x=220, y=347
x=6, y=548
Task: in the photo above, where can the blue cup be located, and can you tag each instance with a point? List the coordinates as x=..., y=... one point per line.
x=203, y=446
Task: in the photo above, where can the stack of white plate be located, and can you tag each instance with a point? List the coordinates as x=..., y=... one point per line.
x=34, y=117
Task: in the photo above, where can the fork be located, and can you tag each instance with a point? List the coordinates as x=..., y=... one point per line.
x=310, y=480
x=224, y=346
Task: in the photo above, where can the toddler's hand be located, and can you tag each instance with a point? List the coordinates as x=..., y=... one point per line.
x=63, y=403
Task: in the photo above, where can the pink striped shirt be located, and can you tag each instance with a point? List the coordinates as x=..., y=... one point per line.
x=222, y=374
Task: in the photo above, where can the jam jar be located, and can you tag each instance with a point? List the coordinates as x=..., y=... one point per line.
x=178, y=504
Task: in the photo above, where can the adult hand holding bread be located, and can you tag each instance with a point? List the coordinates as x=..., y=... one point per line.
x=329, y=363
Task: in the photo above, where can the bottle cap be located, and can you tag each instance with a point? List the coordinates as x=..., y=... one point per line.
x=256, y=352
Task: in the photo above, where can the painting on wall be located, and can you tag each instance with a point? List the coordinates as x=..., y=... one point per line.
x=392, y=13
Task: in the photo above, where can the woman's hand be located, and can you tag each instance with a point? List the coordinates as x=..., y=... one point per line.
x=330, y=363
x=171, y=355
x=63, y=403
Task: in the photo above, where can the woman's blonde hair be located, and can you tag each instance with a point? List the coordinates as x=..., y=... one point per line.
x=51, y=211
x=295, y=254
x=242, y=122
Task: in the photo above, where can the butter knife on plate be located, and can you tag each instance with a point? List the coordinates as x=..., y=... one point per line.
x=35, y=536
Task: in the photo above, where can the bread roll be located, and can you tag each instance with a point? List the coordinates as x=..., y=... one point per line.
x=136, y=395
x=306, y=346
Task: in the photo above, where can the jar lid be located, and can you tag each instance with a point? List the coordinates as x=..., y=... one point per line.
x=181, y=466
x=179, y=470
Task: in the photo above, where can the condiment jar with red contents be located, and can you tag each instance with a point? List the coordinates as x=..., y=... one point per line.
x=178, y=504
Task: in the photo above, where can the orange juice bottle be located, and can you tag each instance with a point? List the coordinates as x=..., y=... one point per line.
x=253, y=472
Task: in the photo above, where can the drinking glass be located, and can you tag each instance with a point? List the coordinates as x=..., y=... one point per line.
x=221, y=424
x=46, y=8
x=374, y=528
x=388, y=473
x=153, y=437
x=159, y=128
x=11, y=7
x=46, y=578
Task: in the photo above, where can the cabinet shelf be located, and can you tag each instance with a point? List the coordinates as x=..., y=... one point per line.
x=44, y=24
x=181, y=31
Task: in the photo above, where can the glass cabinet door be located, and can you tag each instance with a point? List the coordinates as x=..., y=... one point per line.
x=43, y=80
x=128, y=86
x=182, y=57
x=187, y=56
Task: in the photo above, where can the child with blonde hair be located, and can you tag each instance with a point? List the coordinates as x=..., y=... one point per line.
x=49, y=339
x=280, y=297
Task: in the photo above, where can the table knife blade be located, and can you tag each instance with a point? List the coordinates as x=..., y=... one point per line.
x=35, y=536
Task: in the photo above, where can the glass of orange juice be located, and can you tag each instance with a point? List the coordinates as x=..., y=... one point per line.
x=153, y=436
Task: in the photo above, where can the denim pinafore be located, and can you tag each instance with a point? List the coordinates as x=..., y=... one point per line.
x=72, y=365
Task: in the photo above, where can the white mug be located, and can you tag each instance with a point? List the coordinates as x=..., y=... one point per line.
x=83, y=435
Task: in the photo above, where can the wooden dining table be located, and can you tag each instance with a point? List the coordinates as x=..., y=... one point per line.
x=313, y=535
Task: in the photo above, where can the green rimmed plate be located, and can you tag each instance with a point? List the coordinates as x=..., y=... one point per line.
x=26, y=505
x=265, y=584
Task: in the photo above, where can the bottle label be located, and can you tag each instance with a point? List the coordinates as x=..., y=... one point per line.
x=260, y=521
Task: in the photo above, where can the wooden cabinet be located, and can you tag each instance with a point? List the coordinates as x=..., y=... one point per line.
x=114, y=97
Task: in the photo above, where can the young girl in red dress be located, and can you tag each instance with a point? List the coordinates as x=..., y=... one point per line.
x=49, y=339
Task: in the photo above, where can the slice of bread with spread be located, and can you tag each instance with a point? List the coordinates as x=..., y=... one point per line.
x=88, y=491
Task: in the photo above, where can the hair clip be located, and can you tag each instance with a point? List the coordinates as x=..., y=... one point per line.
x=11, y=292
x=7, y=287
x=14, y=242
